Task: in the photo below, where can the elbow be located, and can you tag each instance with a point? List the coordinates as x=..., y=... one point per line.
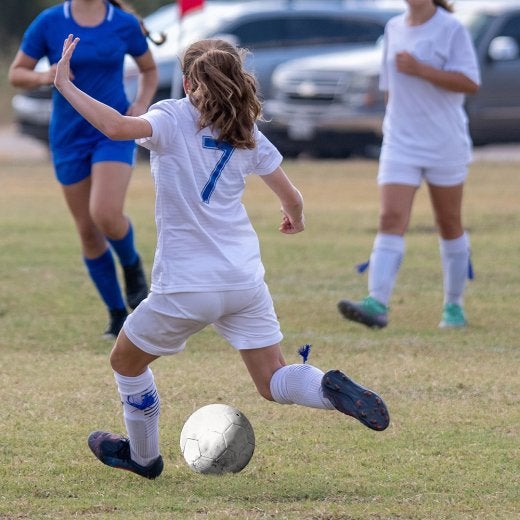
x=114, y=128
x=470, y=87
x=13, y=78
x=473, y=89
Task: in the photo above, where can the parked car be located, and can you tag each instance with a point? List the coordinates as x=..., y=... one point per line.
x=274, y=31
x=327, y=106
x=331, y=105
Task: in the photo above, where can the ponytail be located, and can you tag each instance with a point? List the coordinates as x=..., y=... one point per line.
x=120, y=4
x=222, y=91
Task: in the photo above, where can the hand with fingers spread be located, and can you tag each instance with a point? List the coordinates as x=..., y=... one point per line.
x=63, y=72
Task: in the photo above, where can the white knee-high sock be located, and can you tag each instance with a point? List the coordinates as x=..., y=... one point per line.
x=385, y=261
x=455, y=263
x=299, y=384
x=141, y=409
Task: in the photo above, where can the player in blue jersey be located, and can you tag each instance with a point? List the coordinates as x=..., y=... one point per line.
x=207, y=266
x=94, y=171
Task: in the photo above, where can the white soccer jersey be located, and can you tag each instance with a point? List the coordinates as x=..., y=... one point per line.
x=426, y=125
x=205, y=240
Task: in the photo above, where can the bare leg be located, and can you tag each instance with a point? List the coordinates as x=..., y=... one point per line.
x=127, y=359
x=262, y=363
x=110, y=182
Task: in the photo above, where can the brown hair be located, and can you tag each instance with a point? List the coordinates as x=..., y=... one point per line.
x=444, y=4
x=125, y=7
x=222, y=90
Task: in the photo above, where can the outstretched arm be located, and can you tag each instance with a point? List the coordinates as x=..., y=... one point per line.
x=291, y=199
x=104, y=118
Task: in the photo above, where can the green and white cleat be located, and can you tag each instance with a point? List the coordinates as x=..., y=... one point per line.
x=369, y=312
x=452, y=317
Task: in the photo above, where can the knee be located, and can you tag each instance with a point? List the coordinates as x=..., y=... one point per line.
x=90, y=237
x=105, y=221
x=117, y=361
x=128, y=360
x=449, y=227
x=392, y=222
x=121, y=364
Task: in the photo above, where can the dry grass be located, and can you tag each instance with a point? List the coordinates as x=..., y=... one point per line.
x=452, y=450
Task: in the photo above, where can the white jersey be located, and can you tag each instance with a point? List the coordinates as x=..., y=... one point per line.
x=426, y=125
x=205, y=240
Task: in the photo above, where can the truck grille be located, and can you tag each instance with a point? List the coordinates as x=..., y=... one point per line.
x=324, y=88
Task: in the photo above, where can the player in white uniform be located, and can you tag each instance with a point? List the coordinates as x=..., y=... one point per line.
x=429, y=64
x=207, y=267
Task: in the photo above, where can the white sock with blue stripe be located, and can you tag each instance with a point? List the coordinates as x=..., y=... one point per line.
x=141, y=408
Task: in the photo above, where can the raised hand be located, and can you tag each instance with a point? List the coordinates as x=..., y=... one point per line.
x=63, y=73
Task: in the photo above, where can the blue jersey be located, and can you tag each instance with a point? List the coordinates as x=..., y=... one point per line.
x=97, y=66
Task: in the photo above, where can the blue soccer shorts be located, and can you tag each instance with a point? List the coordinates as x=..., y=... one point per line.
x=76, y=166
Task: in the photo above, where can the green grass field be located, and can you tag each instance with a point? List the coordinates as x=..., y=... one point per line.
x=451, y=451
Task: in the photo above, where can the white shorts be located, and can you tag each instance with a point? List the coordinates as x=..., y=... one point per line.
x=393, y=172
x=162, y=323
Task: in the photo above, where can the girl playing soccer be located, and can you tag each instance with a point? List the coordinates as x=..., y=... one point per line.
x=207, y=267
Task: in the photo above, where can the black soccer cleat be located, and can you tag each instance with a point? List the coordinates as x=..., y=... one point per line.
x=136, y=286
x=114, y=451
x=116, y=320
x=352, y=399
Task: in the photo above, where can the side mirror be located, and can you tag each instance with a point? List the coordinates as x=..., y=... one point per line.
x=503, y=48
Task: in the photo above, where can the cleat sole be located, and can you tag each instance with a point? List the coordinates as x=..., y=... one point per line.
x=356, y=401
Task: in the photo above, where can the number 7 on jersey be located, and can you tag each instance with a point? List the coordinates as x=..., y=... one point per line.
x=227, y=151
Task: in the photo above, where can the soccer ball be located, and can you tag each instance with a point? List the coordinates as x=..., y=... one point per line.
x=217, y=439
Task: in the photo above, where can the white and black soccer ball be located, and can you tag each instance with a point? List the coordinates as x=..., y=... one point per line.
x=217, y=439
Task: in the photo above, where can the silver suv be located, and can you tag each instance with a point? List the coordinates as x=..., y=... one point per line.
x=331, y=105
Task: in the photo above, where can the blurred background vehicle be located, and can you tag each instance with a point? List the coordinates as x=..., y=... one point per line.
x=273, y=30
x=331, y=105
x=32, y=108
x=327, y=106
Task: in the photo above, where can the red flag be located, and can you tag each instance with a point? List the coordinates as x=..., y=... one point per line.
x=185, y=6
